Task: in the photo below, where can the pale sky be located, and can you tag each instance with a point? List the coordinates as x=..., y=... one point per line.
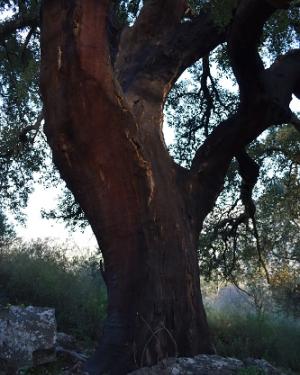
x=37, y=227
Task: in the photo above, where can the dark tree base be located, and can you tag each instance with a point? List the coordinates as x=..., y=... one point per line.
x=113, y=355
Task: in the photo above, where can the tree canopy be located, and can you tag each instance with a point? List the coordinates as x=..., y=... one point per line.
x=206, y=95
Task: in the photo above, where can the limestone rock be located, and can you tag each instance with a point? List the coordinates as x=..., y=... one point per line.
x=205, y=365
x=265, y=366
x=201, y=364
x=27, y=336
x=66, y=341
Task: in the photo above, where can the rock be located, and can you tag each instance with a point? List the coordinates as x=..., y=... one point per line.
x=27, y=336
x=265, y=366
x=206, y=365
x=66, y=341
x=201, y=364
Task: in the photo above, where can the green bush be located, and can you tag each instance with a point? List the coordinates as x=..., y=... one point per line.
x=40, y=274
x=258, y=336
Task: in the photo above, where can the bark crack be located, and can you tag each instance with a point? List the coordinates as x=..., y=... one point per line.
x=145, y=165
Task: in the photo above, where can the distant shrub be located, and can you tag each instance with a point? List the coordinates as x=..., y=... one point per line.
x=258, y=336
x=40, y=274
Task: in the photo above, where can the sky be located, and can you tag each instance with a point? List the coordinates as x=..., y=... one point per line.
x=37, y=227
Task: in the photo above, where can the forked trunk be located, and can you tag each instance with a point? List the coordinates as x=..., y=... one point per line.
x=109, y=149
x=103, y=99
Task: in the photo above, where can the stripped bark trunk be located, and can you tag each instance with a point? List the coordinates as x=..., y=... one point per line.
x=103, y=112
x=112, y=155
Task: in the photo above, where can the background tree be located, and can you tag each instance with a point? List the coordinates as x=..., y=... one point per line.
x=104, y=87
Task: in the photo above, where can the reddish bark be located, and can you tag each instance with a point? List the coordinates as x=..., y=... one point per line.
x=104, y=124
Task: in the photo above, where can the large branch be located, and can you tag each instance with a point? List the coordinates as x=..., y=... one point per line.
x=81, y=50
x=212, y=159
x=195, y=40
x=155, y=50
x=17, y=22
x=282, y=78
x=258, y=110
x=160, y=46
x=158, y=16
x=249, y=172
x=243, y=41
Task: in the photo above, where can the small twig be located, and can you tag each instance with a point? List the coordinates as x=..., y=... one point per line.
x=22, y=137
x=172, y=339
x=27, y=40
x=258, y=248
x=209, y=104
x=36, y=126
x=154, y=333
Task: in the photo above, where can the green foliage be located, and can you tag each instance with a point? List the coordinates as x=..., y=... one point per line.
x=6, y=230
x=68, y=211
x=285, y=289
x=282, y=31
x=246, y=254
x=21, y=155
x=40, y=274
x=223, y=11
x=268, y=337
x=195, y=106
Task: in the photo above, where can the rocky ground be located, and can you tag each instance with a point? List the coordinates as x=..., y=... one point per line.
x=199, y=365
x=30, y=345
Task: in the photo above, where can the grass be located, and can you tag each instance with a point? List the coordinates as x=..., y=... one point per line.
x=272, y=338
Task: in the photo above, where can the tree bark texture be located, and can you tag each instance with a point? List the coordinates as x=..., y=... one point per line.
x=103, y=111
x=113, y=158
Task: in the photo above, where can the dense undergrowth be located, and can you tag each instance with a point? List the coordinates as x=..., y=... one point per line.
x=241, y=335
x=40, y=274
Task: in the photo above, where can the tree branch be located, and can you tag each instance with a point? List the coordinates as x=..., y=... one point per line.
x=258, y=109
x=269, y=150
x=282, y=79
x=158, y=17
x=23, y=138
x=159, y=50
x=212, y=159
x=243, y=40
x=249, y=171
x=17, y=22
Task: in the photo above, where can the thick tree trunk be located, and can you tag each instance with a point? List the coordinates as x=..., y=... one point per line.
x=155, y=308
x=103, y=111
x=113, y=158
